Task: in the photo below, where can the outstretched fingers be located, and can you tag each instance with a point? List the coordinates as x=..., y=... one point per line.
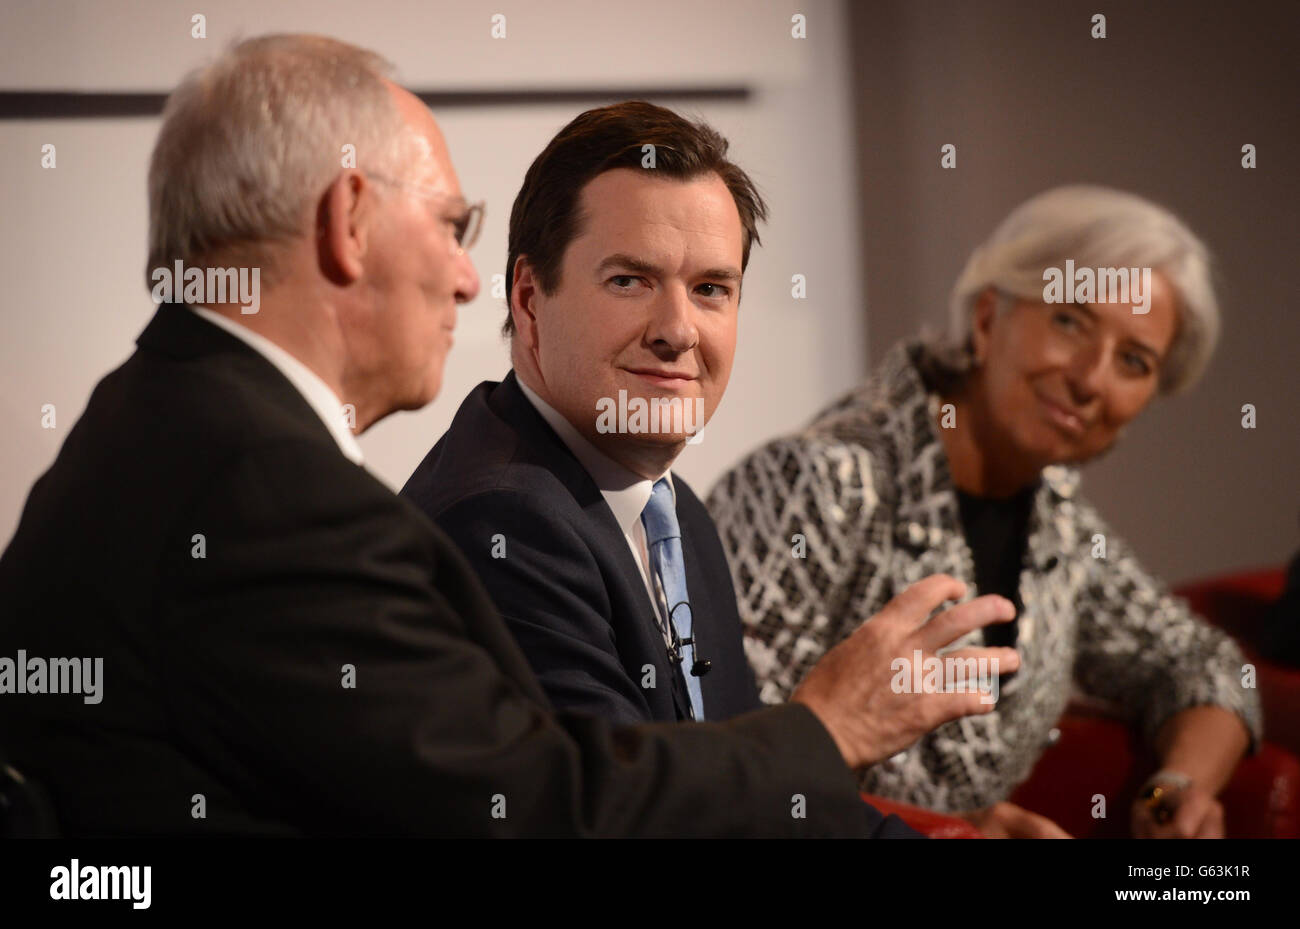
x=918, y=601
x=956, y=622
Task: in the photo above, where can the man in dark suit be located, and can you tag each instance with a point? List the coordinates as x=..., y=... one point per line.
x=627, y=293
x=539, y=532
x=288, y=647
x=628, y=241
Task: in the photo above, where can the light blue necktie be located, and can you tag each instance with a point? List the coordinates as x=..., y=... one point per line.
x=664, y=539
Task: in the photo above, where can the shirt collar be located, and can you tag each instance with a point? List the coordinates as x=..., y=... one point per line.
x=308, y=383
x=626, y=492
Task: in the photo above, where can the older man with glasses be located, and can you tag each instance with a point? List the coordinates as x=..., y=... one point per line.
x=288, y=647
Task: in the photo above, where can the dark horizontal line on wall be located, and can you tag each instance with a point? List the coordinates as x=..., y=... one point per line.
x=44, y=104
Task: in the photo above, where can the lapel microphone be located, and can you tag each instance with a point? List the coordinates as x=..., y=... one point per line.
x=700, y=666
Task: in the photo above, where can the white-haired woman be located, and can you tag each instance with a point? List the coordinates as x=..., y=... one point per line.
x=955, y=457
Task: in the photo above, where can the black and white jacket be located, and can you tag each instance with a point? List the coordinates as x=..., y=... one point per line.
x=868, y=489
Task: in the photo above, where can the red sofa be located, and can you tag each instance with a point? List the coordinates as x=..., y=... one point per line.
x=1234, y=604
x=1261, y=801
x=927, y=822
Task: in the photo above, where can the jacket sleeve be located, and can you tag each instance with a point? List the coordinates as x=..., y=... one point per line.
x=806, y=539
x=549, y=589
x=323, y=659
x=1142, y=648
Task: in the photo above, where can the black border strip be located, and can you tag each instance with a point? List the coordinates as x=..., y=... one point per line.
x=46, y=104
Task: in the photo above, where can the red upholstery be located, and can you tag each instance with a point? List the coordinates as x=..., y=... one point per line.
x=1100, y=756
x=927, y=822
x=1233, y=604
x=1093, y=756
x=1261, y=801
x=1096, y=755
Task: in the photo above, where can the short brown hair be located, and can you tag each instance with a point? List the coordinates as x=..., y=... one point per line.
x=545, y=217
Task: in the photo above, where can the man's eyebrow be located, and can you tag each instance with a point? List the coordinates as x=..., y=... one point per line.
x=721, y=274
x=628, y=263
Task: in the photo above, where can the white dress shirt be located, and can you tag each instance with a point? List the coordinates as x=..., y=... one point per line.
x=626, y=493
x=308, y=383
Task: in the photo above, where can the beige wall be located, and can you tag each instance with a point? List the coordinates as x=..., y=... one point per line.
x=72, y=244
x=1161, y=107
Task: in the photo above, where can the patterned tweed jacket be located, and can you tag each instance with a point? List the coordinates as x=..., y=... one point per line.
x=867, y=485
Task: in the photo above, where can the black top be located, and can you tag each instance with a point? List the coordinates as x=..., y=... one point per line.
x=996, y=531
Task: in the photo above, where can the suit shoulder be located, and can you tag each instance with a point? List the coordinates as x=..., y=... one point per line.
x=224, y=401
x=483, y=456
x=551, y=525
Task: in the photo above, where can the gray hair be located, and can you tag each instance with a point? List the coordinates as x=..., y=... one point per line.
x=1097, y=227
x=249, y=143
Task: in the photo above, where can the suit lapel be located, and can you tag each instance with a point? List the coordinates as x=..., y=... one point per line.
x=512, y=406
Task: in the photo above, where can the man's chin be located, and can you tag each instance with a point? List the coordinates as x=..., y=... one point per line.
x=419, y=399
x=662, y=417
x=428, y=396
x=660, y=439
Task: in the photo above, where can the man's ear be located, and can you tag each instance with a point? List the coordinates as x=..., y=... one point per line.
x=524, y=291
x=343, y=226
x=982, y=316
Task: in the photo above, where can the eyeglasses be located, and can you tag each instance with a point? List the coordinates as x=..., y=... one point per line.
x=465, y=228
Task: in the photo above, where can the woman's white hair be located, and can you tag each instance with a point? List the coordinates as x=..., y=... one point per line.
x=249, y=143
x=1097, y=227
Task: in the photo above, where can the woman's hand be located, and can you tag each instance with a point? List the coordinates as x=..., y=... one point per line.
x=1008, y=821
x=1190, y=813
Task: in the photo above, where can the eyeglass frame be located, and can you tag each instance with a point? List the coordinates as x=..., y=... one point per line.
x=474, y=212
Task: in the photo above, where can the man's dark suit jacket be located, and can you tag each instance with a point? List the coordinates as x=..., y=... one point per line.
x=500, y=481
x=223, y=676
